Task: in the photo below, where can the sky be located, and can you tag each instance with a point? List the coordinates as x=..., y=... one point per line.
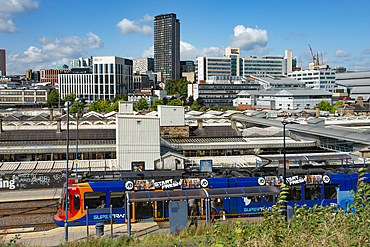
x=39, y=34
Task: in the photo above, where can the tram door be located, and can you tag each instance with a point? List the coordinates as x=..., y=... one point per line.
x=159, y=210
x=143, y=210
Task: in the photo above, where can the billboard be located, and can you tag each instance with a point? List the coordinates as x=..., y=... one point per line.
x=206, y=165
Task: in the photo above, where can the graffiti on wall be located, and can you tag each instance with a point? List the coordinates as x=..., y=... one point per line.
x=31, y=181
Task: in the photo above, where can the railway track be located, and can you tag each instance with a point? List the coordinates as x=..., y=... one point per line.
x=27, y=211
x=27, y=216
x=25, y=227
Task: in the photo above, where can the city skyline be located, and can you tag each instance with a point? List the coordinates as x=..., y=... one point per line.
x=39, y=34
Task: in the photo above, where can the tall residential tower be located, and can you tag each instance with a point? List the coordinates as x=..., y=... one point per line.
x=167, y=46
x=2, y=63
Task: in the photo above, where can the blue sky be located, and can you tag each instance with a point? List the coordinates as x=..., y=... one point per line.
x=42, y=34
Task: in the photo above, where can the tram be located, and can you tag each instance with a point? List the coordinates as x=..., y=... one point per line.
x=87, y=196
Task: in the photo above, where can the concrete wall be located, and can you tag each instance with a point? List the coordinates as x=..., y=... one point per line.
x=171, y=115
x=138, y=139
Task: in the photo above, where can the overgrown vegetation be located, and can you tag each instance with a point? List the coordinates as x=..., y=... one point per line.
x=317, y=226
x=326, y=106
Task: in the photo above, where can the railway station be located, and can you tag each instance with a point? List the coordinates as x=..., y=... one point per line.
x=157, y=152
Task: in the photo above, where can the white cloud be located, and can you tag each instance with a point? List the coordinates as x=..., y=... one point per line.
x=127, y=26
x=147, y=18
x=9, y=7
x=367, y=51
x=249, y=38
x=341, y=53
x=149, y=52
x=66, y=49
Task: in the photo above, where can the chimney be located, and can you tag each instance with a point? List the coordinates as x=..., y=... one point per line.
x=200, y=123
x=317, y=112
x=360, y=101
x=51, y=113
x=59, y=125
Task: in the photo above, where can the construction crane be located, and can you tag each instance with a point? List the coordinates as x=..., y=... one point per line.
x=313, y=56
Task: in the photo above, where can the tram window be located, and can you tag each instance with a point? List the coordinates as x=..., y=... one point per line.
x=255, y=199
x=95, y=199
x=219, y=202
x=76, y=202
x=312, y=192
x=295, y=193
x=268, y=198
x=117, y=199
x=330, y=192
x=61, y=199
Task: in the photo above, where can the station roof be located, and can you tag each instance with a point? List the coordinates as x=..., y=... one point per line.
x=308, y=128
x=318, y=157
x=150, y=196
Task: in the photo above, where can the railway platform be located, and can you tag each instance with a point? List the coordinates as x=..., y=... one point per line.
x=30, y=195
x=56, y=236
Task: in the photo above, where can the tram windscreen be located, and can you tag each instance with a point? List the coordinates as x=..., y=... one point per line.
x=61, y=199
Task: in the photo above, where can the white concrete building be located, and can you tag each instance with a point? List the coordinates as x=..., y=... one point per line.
x=281, y=99
x=316, y=79
x=138, y=140
x=270, y=82
x=148, y=95
x=232, y=65
x=112, y=76
x=78, y=81
x=81, y=63
x=171, y=115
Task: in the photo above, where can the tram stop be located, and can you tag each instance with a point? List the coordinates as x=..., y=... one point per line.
x=178, y=201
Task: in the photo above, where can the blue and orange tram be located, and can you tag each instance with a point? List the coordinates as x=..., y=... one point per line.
x=87, y=194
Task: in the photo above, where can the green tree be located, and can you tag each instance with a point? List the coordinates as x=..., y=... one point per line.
x=142, y=104
x=73, y=108
x=53, y=98
x=175, y=102
x=324, y=106
x=114, y=106
x=116, y=99
x=195, y=106
x=95, y=106
x=70, y=97
x=177, y=86
x=184, y=90
x=339, y=103
x=156, y=104
x=125, y=98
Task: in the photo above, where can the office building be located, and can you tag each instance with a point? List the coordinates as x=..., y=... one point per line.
x=232, y=65
x=143, y=64
x=78, y=81
x=281, y=99
x=33, y=75
x=167, y=46
x=81, y=63
x=112, y=77
x=2, y=63
x=51, y=75
x=316, y=79
x=219, y=94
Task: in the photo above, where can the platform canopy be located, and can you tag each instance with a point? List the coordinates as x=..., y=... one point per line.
x=150, y=196
x=318, y=157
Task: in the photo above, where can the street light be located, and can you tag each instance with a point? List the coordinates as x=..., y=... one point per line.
x=67, y=105
x=76, y=161
x=284, y=152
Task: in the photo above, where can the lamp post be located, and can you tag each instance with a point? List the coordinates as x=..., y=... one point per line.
x=67, y=104
x=284, y=152
x=76, y=161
